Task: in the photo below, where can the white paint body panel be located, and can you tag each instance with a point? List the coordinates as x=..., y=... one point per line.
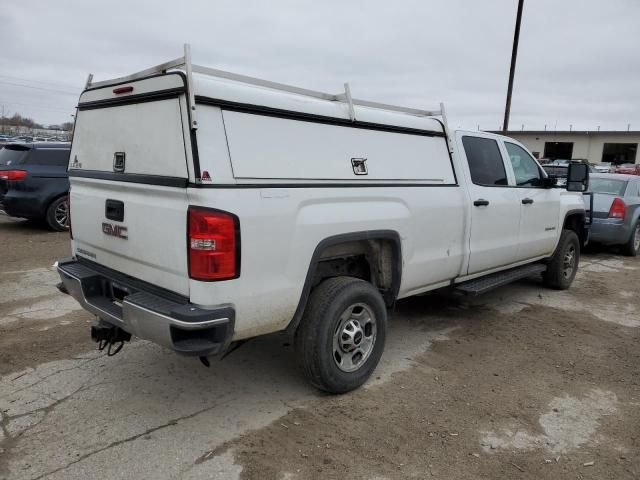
x=155, y=217
x=291, y=149
x=281, y=232
x=285, y=180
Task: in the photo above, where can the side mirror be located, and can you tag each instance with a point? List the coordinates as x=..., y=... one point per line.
x=549, y=181
x=578, y=177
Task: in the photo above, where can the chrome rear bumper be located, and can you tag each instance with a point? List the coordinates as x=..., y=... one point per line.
x=147, y=312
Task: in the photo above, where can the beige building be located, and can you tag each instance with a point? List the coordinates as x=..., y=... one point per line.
x=605, y=146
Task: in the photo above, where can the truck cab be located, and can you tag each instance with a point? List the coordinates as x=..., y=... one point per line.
x=515, y=213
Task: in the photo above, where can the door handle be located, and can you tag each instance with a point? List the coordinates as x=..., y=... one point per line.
x=481, y=202
x=527, y=201
x=114, y=210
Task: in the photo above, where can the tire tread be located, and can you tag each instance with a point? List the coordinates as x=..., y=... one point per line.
x=310, y=327
x=553, y=275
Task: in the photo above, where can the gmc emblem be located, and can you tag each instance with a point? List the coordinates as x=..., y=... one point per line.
x=114, y=230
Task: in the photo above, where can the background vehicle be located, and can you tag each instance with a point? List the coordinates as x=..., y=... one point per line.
x=558, y=162
x=616, y=211
x=34, y=182
x=628, y=169
x=4, y=139
x=560, y=171
x=302, y=211
x=605, y=167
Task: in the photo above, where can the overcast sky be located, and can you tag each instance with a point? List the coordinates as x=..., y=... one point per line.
x=579, y=60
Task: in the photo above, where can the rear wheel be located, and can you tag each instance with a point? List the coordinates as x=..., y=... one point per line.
x=632, y=247
x=57, y=217
x=342, y=334
x=563, y=266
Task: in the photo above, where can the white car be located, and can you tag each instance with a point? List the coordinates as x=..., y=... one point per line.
x=208, y=208
x=605, y=167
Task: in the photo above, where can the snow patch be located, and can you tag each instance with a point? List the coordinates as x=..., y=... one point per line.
x=570, y=423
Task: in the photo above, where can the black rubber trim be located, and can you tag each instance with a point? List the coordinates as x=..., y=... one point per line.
x=310, y=117
x=585, y=232
x=132, y=99
x=321, y=185
x=576, y=211
x=132, y=178
x=194, y=152
x=343, y=238
x=129, y=281
x=189, y=313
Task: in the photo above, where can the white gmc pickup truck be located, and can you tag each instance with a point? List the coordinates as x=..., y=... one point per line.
x=208, y=208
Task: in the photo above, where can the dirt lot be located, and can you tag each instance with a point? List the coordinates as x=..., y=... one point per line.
x=520, y=383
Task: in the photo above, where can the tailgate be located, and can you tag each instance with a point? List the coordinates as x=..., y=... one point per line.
x=129, y=169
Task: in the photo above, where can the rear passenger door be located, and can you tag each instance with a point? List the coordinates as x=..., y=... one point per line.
x=540, y=207
x=494, y=205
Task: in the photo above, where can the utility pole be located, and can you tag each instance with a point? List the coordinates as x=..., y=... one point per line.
x=512, y=69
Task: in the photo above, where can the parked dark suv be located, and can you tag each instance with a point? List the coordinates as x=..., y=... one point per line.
x=34, y=182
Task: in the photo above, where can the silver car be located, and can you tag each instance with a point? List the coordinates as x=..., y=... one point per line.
x=616, y=211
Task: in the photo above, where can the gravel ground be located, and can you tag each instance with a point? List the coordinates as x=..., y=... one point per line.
x=521, y=383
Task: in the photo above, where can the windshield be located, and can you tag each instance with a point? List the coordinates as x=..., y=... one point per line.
x=607, y=186
x=13, y=155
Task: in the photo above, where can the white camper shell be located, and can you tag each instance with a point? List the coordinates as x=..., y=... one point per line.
x=209, y=207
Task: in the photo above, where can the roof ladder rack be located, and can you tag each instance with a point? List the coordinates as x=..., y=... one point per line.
x=189, y=68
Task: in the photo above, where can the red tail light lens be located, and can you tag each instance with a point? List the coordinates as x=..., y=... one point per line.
x=618, y=208
x=214, y=244
x=13, y=175
x=121, y=90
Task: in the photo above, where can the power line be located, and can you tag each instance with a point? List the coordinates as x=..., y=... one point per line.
x=36, y=107
x=40, y=88
x=22, y=79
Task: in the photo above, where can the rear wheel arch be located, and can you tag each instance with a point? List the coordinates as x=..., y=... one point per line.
x=373, y=255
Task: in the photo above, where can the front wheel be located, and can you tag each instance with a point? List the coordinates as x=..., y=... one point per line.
x=632, y=247
x=342, y=334
x=563, y=266
x=58, y=214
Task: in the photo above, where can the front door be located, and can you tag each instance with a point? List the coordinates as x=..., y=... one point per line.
x=495, y=206
x=539, y=221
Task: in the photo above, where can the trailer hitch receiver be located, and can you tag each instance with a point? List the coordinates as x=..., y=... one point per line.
x=109, y=337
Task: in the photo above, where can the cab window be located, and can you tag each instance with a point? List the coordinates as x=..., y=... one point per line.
x=524, y=166
x=485, y=161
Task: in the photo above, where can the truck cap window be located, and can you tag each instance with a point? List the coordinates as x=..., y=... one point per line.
x=524, y=167
x=485, y=161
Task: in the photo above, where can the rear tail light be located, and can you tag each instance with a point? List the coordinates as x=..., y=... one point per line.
x=618, y=208
x=13, y=175
x=214, y=244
